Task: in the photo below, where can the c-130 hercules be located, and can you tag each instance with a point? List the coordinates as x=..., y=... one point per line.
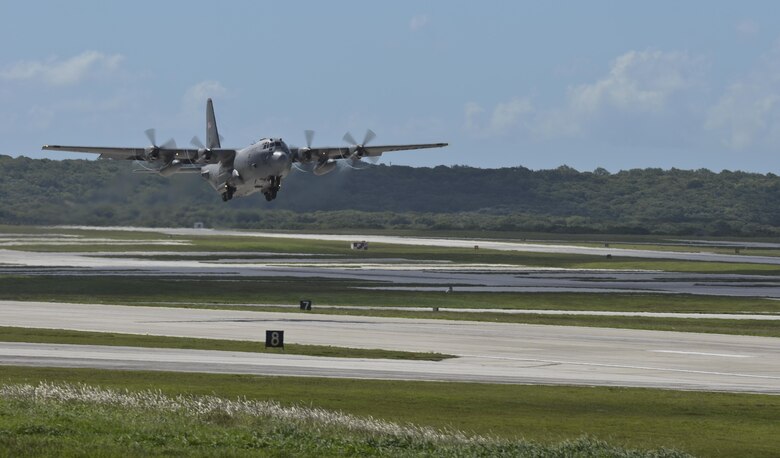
x=241, y=172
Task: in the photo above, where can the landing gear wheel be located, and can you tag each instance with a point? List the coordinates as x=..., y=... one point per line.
x=228, y=193
x=269, y=196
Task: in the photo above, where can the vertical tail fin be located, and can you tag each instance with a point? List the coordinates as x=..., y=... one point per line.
x=212, y=135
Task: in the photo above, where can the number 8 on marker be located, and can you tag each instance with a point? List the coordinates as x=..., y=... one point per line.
x=274, y=339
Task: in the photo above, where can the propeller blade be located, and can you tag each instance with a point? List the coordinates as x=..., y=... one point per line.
x=143, y=168
x=301, y=168
x=370, y=135
x=353, y=146
x=170, y=144
x=195, y=141
x=349, y=139
x=309, y=137
x=151, y=134
x=355, y=164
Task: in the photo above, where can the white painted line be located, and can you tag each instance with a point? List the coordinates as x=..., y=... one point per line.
x=723, y=355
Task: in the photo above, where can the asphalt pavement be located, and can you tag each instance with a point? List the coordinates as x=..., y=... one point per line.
x=486, y=352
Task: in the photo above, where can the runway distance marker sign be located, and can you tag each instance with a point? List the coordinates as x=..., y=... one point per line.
x=274, y=339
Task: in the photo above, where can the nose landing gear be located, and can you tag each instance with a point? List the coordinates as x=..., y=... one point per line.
x=276, y=183
x=228, y=192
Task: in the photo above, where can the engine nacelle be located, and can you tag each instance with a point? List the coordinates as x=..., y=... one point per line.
x=151, y=153
x=203, y=156
x=303, y=155
x=325, y=167
x=211, y=174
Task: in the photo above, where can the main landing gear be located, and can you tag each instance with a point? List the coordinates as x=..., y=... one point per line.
x=276, y=183
x=227, y=194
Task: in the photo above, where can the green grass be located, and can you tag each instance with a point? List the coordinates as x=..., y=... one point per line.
x=280, y=290
x=62, y=419
x=706, y=424
x=61, y=336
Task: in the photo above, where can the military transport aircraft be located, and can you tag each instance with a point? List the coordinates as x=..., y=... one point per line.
x=241, y=172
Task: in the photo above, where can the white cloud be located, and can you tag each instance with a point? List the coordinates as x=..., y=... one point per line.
x=418, y=22
x=642, y=90
x=196, y=95
x=638, y=81
x=473, y=111
x=748, y=112
x=504, y=117
x=86, y=109
x=557, y=123
x=642, y=94
x=747, y=28
x=57, y=72
x=510, y=114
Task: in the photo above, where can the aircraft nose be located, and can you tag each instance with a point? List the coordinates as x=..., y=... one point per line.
x=279, y=162
x=279, y=157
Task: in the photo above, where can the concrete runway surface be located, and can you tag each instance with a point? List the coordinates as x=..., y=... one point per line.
x=394, y=273
x=487, y=352
x=465, y=243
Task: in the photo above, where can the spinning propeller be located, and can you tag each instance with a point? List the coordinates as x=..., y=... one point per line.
x=358, y=151
x=153, y=151
x=204, y=154
x=305, y=164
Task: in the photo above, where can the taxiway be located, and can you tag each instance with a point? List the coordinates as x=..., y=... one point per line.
x=486, y=352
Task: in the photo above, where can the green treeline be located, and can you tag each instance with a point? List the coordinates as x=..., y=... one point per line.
x=563, y=200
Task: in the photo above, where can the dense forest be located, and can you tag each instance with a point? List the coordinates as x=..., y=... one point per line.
x=563, y=200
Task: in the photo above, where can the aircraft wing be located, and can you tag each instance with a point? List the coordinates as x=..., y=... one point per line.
x=324, y=153
x=139, y=154
x=131, y=154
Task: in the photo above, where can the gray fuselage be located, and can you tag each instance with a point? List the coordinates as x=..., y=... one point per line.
x=257, y=167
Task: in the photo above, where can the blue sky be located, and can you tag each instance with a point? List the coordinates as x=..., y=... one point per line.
x=610, y=84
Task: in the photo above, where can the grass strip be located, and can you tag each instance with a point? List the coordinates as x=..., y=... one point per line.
x=706, y=424
x=230, y=290
x=62, y=336
x=83, y=420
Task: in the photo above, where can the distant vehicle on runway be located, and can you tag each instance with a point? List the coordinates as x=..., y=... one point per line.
x=241, y=172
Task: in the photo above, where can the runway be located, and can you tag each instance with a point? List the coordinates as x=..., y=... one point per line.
x=466, y=243
x=486, y=352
